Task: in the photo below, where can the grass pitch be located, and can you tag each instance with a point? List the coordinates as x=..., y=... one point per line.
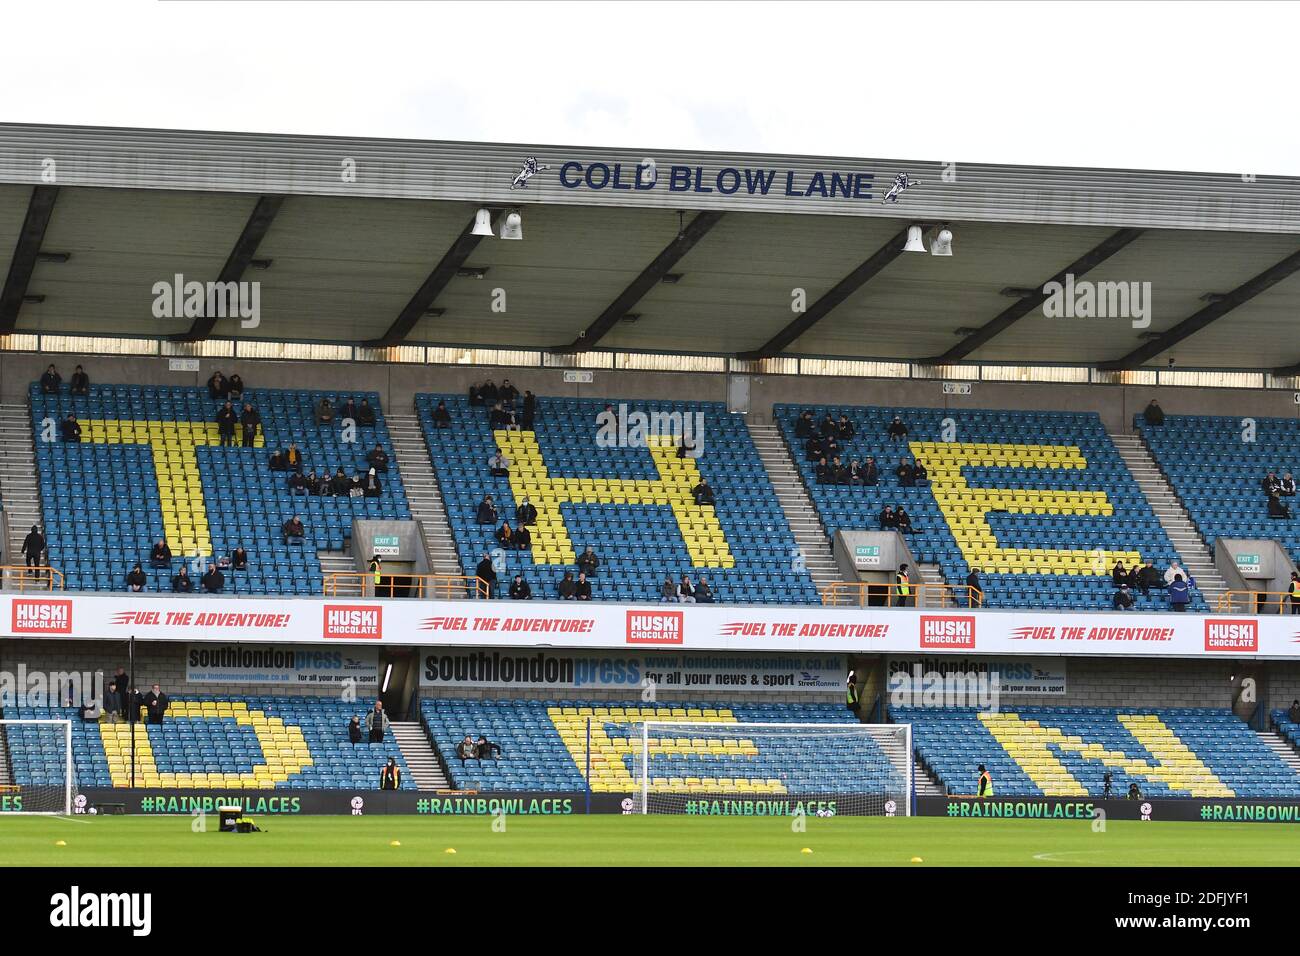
x=640, y=841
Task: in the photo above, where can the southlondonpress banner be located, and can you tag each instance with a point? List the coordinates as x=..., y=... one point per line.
x=572, y=670
x=296, y=664
x=608, y=626
x=1030, y=676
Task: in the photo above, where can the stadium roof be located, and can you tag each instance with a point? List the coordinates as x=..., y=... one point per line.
x=363, y=240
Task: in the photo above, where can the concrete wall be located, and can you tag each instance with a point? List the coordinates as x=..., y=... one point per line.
x=396, y=384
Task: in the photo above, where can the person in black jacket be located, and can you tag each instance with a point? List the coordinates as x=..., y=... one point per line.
x=1153, y=414
x=1276, y=509
x=135, y=579
x=250, y=420
x=80, y=384
x=33, y=547
x=975, y=590
x=897, y=430
x=844, y=428
x=218, y=387
x=588, y=562
x=50, y=381
x=354, y=730
x=239, y=558
x=803, y=426
x=182, y=583
x=523, y=538
x=822, y=472
x=487, y=750
x=213, y=580
x=703, y=594
x=525, y=514
x=378, y=459
x=1123, y=599
x=487, y=573
x=371, y=486
x=155, y=704
x=69, y=429
x=582, y=588
x=902, y=519
x=519, y=589
x=339, y=484
x=887, y=520
x=870, y=472
x=161, y=555
x=475, y=395
x=487, y=511
x=529, y=413
x=814, y=448
x=365, y=414
x=906, y=474
x=442, y=417
x=294, y=531
x=567, y=587
x=702, y=493
x=235, y=387
x=226, y=421
x=299, y=484
x=828, y=427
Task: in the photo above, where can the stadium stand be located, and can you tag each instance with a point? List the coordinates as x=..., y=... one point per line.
x=1064, y=751
x=150, y=466
x=1217, y=472
x=633, y=505
x=251, y=743
x=1041, y=502
x=544, y=745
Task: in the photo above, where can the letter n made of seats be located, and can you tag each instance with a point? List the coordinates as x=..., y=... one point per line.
x=529, y=478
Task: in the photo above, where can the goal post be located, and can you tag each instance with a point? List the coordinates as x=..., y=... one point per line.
x=38, y=769
x=777, y=769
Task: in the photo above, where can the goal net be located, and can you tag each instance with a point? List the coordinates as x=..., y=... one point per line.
x=36, y=772
x=726, y=769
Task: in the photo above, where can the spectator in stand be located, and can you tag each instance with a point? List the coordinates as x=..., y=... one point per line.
x=312, y=483
x=507, y=393
x=920, y=476
x=870, y=472
x=525, y=514
x=487, y=573
x=499, y=465
x=897, y=430
x=339, y=483
x=218, y=387
x=523, y=538
x=490, y=393
x=903, y=519
x=80, y=384
x=69, y=429
x=371, y=486
x=182, y=583
x=1119, y=574
x=324, y=412
x=239, y=558
x=324, y=487
x=294, y=532
x=276, y=461
x=475, y=394
x=155, y=704
x=356, y=485
x=906, y=474
x=226, y=421
x=33, y=547
x=839, y=474
x=1180, y=595
x=685, y=591
x=828, y=428
x=377, y=723
x=1270, y=484
x=1133, y=792
x=974, y=589
x=668, y=590
x=844, y=428
x=365, y=414
x=235, y=387
x=487, y=750
x=702, y=493
x=902, y=586
x=249, y=420
x=582, y=588
x=1293, y=712
x=529, y=413
x=112, y=703
x=1174, y=571
x=442, y=417
x=51, y=381
x=1153, y=414
x=519, y=589
x=1123, y=599
x=293, y=457
x=1293, y=593
x=703, y=595
x=855, y=473
x=888, y=521
x=1276, y=509
x=299, y=484
x=1286, y=487
x=803, y=425
x=487, y=511
x=466, y=750
x=497, y=418
x=390, y=775
x=814, y=448
x=1149, y=578
x=567, y=587
x=213, y=581
x=161, y=555
x=348, y=412
x=135, y=579
x=378, y=459
x=506, y=536
x=354, y=730
x=588, y=562
x=822, y=472
x=832, y=447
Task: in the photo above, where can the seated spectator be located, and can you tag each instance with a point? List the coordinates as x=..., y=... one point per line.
x=161, y=555
x=588, y=562
x=324, y=412
x=919, y=475
x=365, y=414
x=312, y=483
x=491, y=393
x=354, y=730
x=1153, y=414
x=832, y=447
x=69, y=429
x=1276, y=509
x=348, y=412
x=582, y=588
x=239, y=558
x=378, y=459
x=1123, y=599
x=442, y=417
x=498, y=418
x=844, y=428
x=888, y=521
x=294, y=532
x=507, y=392
x=466, y=750
x=340, y=483
x=703, y=594
x=668, y=590
x=519, y=589
x=213, y=581
x=903, y=519
x=182, y=583
x=523, y=538
x=1180, y=595
x=1148, y=577
x=227, y=419
x=298, y=483
x=80, y=384
x=218, y=387
x=293, y=457
x=1174, y=571
x=506, y=536
x=1287, y=486
x=1270, y=484
x=486, y=572
x=356, y=485
x=870, y=473
x=567, y=586
x=499, y=465
x=906, y=474
x=685, y=591
x=525, y=514
x=50, y=381
x=475, y=395
x=487, y=511
x=896, y=431
x=277, y=462
x=323, y=486
x=235, y=387
x=371, y=486
x=1293, y=713
x=1133, y=792
x=855, y=473
x=839, y=474
x=1120, y=575
x=815, y=448
x=828, y=427
x=529, y=413
x=702, y=493
x=803, y=426
x=487, y=750
x=822, y=472
x=249, y=421
x=135, y=579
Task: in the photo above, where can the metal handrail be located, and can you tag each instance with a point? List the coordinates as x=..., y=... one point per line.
x=421, y=586
x=859, y=593
x=17, y=577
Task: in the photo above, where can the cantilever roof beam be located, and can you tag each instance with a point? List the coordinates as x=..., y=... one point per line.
x=39, y=208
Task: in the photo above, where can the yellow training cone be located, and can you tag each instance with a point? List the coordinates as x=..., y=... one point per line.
x=917, y=859
x=395, y=843
x=805, y=850
x=60, y=843
x=449, y=850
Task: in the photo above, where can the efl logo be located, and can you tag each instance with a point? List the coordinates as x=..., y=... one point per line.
x=654, y=627
x=1221, y=635
x=42, y=616
x=948, y=631
x=354, y=621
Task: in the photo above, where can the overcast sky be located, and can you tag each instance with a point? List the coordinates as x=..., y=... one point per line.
x=1184, y=86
